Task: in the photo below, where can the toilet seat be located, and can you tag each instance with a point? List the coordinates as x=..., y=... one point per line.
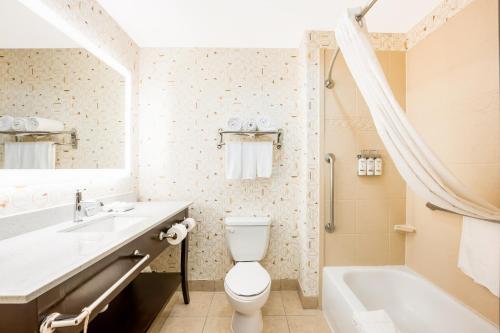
x=247, y=279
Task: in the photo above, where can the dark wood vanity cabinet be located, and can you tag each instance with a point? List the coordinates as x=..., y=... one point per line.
x=132, y=305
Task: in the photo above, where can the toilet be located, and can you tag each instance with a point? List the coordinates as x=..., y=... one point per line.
x=247, y=284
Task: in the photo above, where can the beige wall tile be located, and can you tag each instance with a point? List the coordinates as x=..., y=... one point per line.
x=372, y=216
x=340, y=249
x=372, y=249
x=345, y=216
x=397, y=212
x=397, y=248
x=453, y=102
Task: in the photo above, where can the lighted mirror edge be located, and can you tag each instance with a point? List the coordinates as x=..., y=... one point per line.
x=13, y=177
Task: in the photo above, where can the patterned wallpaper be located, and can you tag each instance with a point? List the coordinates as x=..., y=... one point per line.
x=186, y=95
x=72, y=86
x=88, y=17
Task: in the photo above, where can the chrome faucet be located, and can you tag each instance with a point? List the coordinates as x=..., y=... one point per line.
x=79, y=212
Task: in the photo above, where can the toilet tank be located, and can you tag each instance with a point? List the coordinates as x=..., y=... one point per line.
x=247, y=238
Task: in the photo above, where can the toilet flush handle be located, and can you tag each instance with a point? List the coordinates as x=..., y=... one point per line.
x=230, y=230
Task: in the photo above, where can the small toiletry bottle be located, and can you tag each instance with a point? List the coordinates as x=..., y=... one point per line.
x=370, y=166
x=361, y=165
x=378, y=166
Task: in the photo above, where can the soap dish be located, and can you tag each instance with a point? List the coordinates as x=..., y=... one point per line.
x=404, y=228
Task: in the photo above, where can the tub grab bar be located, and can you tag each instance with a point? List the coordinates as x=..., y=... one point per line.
x=51, y=320
x=330, y=226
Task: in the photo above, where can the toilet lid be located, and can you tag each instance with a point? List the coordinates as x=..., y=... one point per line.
x=247, y=279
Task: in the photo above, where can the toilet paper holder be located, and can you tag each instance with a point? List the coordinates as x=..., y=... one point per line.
x=163, y=235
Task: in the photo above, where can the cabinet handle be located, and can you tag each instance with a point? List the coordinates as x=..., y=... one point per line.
x=51, y=320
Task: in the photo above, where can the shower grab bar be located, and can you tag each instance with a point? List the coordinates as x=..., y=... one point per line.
x=434, y=207
x=330, y=226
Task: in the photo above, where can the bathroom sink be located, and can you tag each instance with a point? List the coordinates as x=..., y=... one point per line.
x=111, y=223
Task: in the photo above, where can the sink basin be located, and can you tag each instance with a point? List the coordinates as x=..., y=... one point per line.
x=111, y=223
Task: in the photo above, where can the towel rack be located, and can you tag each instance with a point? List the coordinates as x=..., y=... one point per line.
x=73, y=133
x=278, y=143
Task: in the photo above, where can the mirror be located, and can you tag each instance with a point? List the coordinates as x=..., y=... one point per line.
x=60, y=106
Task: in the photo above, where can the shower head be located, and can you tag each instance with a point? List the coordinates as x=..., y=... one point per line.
x=329, y=83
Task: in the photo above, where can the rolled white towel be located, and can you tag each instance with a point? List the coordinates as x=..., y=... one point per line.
x=250, y=125
x=20, y=124
x=234, y=124
x=6, y=123
x=265, y=124
x=43, y=124
x=177, y=232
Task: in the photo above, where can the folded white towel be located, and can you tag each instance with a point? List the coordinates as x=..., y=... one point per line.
x=44, y=124
x=264, y=156
x=374, y=322
x=233, y=160
x=6, y=123
x=479, y=254
x=30, y=155
x=248, y=160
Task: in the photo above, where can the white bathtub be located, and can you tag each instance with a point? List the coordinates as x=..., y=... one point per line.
x=414, y=304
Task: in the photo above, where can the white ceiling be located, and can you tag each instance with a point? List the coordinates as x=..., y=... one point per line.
x=21, y=28
x=250, y=23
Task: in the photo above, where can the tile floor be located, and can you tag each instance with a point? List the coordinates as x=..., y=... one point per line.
x=210, y=312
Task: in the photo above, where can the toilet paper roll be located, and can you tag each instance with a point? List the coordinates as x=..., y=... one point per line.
x=189, y=223
x=177, y=232
x=234, y=124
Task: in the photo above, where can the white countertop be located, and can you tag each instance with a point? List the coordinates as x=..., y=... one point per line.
x=34, y=262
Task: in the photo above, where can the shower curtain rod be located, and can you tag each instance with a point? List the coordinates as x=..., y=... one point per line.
x=329, y=83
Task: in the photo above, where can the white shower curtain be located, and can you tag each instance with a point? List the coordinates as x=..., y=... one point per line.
x=420, y=168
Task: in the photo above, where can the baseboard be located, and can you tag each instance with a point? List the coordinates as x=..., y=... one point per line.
x=218, y=285
x=308, y=302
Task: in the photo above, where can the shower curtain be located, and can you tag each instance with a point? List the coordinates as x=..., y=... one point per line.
x=423, y=172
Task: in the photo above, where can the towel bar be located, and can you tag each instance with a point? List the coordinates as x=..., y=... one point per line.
x=434, y=207
x=73, y=135
x=278, y=143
